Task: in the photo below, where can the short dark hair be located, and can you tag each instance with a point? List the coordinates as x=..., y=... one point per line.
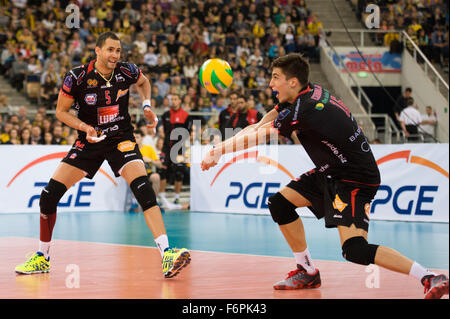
x=293, y=65
x=410, y=101
x=104, y=36
x=408, y=90
x=138, y=132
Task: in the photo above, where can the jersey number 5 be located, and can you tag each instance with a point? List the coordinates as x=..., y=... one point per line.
x=107, y=97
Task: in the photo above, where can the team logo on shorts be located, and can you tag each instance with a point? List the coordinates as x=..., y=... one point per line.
x=339, y=204
x=126, y=146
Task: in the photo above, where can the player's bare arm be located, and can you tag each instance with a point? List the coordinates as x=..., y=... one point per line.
x=144, y=89
x=62, y=113
x=268, y=117
x=238, y=143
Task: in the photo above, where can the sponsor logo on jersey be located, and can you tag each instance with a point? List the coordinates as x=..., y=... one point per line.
x=80, y=77
x=319, y=106
x=339, y=204
x=121, y=93
x=90, y=98
x=92, y=83
x=119, y=78
x=130, y=71
x=126, y=146
x=67, y=85
x=107, y=114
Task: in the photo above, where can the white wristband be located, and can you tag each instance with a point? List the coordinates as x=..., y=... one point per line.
x=146, y=103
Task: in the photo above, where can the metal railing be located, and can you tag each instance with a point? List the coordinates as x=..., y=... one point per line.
x=439, y=81
x=388, y=133
x=360, y=94
x=362, y=33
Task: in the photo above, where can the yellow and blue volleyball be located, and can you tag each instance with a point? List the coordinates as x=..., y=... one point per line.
x=215, y=74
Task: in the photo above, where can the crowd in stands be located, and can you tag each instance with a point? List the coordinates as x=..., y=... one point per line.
x=168, y=40
x=425, y=21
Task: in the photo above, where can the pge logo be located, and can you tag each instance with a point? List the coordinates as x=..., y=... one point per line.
x=78, y=199
x=416, y=194
x=256, y=194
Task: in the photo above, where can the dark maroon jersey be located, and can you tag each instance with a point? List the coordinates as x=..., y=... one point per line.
x=330, y=135
x=103, y=107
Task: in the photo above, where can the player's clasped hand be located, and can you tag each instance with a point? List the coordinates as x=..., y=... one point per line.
x=210, y=160
x=91, y=135
x=151, y=117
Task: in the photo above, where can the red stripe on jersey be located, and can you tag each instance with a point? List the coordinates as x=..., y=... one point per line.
x=373, y=185
x=65, y=94
x=91, y=66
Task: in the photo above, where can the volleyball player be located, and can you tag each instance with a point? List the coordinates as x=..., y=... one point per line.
x=100, y=92
x=340, y=188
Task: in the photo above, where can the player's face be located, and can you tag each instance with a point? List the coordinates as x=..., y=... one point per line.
x=138, y=138
x=176, y=102
x=233, y=100
x=285, y=88
x=241, y=104
x=109, y=54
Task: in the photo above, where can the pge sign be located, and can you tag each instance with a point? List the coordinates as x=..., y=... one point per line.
x=413, y=187
x=406, y=200
x=81, y=197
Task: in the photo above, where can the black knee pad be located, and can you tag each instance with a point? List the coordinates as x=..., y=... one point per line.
x=143, y=192
x=359, y=251
x=50, y=196
x=282, y=211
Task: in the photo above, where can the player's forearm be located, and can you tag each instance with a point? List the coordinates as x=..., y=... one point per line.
x=70, y=120
x=270, y=116
x=243, y=142
x=144, y=90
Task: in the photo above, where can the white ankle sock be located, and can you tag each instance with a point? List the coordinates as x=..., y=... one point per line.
x=418, y=271
x=162, y=242
x=304, y=259
x=44, y=247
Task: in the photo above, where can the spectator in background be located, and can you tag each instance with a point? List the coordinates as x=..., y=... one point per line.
x=413, y=36
x=25, y=136
x=58, y=138
x=49, y=92
x=5, y=135
x=410, y=119
x=53, y=73
x=14, y=137
x=190, y=69
x=173, y=162
x=437, y=45
x=162, y=84
x=402, y=102
x=36, y=135
x=423, y=42
x=390, y=36
x=307, y=44
x=18, y=71
x=428, y=124
x=48, y=138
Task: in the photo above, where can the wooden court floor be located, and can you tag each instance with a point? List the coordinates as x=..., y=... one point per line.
x=83, y=270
